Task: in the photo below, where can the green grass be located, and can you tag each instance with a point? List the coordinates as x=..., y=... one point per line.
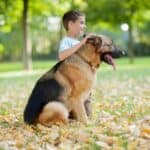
x=139, y=62
x=18, y=66
x=142, y=62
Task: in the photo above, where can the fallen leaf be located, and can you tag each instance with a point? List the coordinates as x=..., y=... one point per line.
x=103, y=145
x=134, y=130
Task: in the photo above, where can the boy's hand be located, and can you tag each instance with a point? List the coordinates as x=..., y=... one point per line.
x=86, y=37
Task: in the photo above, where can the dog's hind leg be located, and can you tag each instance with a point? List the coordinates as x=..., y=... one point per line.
x=53, y=112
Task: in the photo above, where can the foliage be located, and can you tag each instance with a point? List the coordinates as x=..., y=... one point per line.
x=120, y=117
x=9, y=14
x=116, y=13
x=102, y=17
x=141, y=49
x=12, y=47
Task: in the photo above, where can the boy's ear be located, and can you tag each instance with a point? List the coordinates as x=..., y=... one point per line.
x=70, y=24
x=95, y=41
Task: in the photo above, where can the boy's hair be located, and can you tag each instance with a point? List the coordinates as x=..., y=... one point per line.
x=71, y=15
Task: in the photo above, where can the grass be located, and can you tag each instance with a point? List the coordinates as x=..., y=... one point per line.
x=17, y=66
x=141, y=62
x=120, y=108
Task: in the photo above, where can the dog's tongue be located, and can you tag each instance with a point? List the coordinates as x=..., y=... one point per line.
x=110, y=60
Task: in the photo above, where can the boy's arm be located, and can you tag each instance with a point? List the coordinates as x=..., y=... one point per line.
x=67, y=52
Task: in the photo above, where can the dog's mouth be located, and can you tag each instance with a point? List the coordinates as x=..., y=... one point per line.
x=109, y=57
x=109, y=60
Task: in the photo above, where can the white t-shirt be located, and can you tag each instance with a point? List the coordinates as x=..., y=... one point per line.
x=67, y=42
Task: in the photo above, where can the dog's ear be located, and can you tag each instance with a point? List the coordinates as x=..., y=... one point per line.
x=95, y=41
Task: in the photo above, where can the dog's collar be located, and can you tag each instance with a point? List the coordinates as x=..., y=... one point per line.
x=87, y=62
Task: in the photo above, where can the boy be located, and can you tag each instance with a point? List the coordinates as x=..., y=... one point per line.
x=74, y=24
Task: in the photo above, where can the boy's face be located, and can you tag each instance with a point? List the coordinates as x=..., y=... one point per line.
x=77, y=27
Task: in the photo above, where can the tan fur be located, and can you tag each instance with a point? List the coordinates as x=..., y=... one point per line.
x=77, y=75
x=53, y=112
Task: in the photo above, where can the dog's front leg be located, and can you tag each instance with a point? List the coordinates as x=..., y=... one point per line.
x=79, y=111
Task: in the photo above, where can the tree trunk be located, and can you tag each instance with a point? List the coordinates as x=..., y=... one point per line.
x=27, y=61
x=130, y=45
x=60, y=31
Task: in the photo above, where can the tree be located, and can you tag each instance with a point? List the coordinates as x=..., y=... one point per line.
x=118, y=12
x=27, y=46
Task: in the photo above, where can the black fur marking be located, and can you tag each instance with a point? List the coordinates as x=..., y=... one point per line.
x=43, y=92
x=48, y=75
x=55, y=68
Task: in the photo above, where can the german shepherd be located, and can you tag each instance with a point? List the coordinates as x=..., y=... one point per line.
x=64, y=89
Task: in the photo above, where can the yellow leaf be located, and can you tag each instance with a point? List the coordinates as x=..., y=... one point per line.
x=145, y=132
x=132, y=145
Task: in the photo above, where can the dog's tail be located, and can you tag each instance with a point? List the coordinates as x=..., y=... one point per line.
x=53, y=112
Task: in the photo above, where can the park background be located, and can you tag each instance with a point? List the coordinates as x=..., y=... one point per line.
x=30, y=32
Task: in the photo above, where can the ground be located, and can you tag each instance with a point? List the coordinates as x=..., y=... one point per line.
x=120, y=118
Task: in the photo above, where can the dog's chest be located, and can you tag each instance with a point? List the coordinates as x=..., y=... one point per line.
x=80, y=77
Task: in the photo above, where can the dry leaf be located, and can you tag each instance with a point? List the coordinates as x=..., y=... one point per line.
x=134, y=130
x=132, y=145
x=103, y=145
x=83, y=136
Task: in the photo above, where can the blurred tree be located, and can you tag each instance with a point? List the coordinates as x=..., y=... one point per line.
x=10, y=13
x=118, y=12
x=10, y=38
x=33, y=14
x=27, y=46
x=41, y=27
x=12, y=44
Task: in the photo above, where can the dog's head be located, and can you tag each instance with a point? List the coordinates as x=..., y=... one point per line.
x=106, y=49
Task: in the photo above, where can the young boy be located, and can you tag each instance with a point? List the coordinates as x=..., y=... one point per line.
x=74, y=24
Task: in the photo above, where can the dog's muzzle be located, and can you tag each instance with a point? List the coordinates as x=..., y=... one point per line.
x=109, y=57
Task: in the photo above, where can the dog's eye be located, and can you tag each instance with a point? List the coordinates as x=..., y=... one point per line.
x=108, y=45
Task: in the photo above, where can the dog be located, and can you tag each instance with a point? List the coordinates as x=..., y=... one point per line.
x=64, y=89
